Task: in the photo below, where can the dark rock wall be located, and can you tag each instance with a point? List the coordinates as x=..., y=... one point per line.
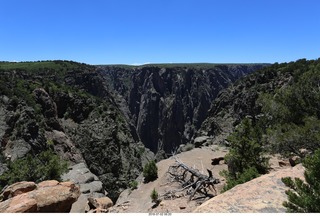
x=168, y=104
x=76, y=117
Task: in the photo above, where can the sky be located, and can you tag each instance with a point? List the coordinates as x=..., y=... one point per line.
x=160, y=31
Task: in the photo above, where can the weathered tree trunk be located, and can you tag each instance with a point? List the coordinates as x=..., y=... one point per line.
x=191, y=180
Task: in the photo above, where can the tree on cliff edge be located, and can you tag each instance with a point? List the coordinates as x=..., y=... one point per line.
x=304, y=197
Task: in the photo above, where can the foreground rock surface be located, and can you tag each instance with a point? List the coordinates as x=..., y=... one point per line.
x=47, y=196
x=139, y=201
x=261, y=195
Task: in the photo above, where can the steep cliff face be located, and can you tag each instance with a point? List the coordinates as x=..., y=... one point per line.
x=241, y=99
x=282, y=101
x=168, y=104
x=66, y=107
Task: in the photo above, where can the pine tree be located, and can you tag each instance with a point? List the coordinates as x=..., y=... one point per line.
x=304, y=197
x=150, y=171
x=245, y=158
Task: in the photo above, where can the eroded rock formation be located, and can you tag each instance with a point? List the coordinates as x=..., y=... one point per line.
x=49, y=196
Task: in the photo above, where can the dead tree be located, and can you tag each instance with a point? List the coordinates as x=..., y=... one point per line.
x=191, y=180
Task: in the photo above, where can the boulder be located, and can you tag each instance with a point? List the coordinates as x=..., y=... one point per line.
x=100, y=203
x=199, y=141
x=95, y=186
x=294, y=160
x=46, y=197
x=19, y=204
x=81, y=205
x=80, y=174
x=17, y=189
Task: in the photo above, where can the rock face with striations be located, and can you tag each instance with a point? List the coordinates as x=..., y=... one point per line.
x=168, y=104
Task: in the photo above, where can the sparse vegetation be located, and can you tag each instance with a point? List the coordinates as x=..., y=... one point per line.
x=154, y=195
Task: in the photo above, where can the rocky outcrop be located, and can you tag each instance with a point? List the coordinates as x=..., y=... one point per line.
x=108, y=149
x=240, y=100
x=168, y=104
x=22, y=133
x=93, y=196
x=64, y=146
x=49, y=108
x=18, y=188
x=66, y=107
x=99, y=205
x=48, y=196
x=264, y=194
x=87, y=181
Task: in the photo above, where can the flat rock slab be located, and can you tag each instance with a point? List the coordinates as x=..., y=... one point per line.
x=80, y=174
x=95, y=186
x=261, y=195
x=81, y=205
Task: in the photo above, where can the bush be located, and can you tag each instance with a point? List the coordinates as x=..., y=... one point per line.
x=44, y=166
x=154, y=195
x=246, y=176
x=150, y=171
x=305, y=197
x=133, y=185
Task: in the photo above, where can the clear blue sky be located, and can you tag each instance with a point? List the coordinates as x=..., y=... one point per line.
x=141, y=31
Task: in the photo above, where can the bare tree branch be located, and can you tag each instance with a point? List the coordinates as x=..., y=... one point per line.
x=190, y=180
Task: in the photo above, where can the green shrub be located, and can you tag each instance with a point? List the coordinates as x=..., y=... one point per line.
x=44, y=166
x=133, y=185
x=246, y=176
x=154, y=195
x=245, y=159
x=305, y=197
x=150, y=171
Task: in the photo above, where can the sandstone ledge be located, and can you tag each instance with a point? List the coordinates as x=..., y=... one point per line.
x=48, y=196
x=261, y=195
